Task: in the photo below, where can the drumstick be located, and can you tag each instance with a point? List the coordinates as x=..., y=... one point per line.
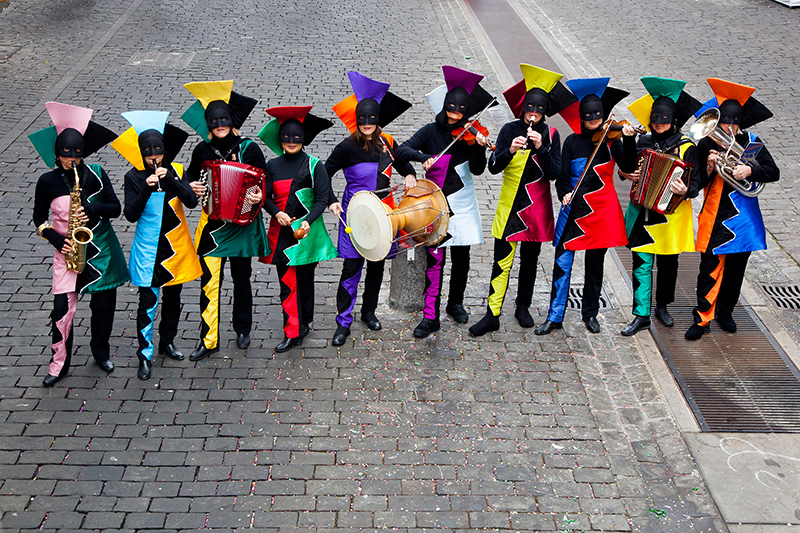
x=347, y=229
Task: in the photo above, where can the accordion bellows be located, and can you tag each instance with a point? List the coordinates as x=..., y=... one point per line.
x=227, y=185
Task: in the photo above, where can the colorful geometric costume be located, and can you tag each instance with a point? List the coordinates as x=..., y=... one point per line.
x=454, y=173
x=74, y=135
x=651, y=234
x=297, y=185
x=730, y=225
x=364, y=170
x=162, y=252
x=218, y=241
x=593, y=221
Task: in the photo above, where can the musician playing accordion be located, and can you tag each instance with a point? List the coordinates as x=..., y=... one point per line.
x=651, y=234
x=217, y=117
x=730, y=226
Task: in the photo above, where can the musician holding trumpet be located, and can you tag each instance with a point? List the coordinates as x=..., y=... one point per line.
x=730, y=225
x=656, y=234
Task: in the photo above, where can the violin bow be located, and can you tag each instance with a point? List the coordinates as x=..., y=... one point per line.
x=589, y=163
x=466, y=128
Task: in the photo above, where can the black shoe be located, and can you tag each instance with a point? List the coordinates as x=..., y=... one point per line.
x=426, y=327
x=243, y=340
x=371, y=321
x=50, y=380
x=695, y=332
x=592, y=324
x=107, y=366
x=340, y=336
x=637, y=324
x=547, y=327
x=663, y=316
x=524, y=317
x=170, y=351
x=726, y=323
x=485, y=325
x=201, y=352
x=458, y=313
x=144, y=369
x=288, y=344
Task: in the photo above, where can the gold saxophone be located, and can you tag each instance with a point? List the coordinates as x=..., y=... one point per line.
x=78, y=234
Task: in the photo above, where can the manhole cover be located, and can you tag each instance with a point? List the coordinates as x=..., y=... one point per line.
x=170, y=60
x=784, y=296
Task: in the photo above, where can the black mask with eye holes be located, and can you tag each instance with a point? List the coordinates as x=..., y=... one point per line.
x=70, y=143
x=663, y=111
x=218, y=115
x=457, y=100
x=535, y=101
x=151, y=143
x=591, y=108
x=292, y=132
x=730, y=112
x=368, y=112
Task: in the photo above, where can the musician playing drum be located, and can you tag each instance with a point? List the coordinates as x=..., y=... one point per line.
x=651, y=235
x=730, y=225
x=463, y=98
x=297, y=193
x=528, y=153
x=366, y=158
x=591, y=216
x=65, y=145
x=217, y=117
x=162, y=256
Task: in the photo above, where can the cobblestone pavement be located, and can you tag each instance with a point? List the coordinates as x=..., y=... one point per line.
x=511, y=431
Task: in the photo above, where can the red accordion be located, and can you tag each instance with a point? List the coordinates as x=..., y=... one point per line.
x=656, y=172
x=227, y=184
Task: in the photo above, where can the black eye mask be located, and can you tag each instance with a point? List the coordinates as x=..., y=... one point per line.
x=730, y=112
x=151, y=143
x=456, y=100
x=663, y=111
x=536, y=101
x=70, y=143
x=591, y=108
x=218, y=115
x=368, y=112
x=291, y=131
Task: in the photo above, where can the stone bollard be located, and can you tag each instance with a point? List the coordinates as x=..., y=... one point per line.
x=408, y=280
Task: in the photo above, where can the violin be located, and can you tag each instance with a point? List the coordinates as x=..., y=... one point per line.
x=614, y=130
x=469, y=135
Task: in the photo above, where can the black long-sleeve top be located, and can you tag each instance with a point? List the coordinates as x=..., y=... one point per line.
x=59, y=182
x=432, y=139
x=548, y=155
x=581, y=146
x=137, y=192
x=228, y=149
x=287, y=166
x=764, y=168
x=671, y=142
x=348, y=153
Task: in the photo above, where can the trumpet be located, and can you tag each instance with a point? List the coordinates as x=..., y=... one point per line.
x=707, y=125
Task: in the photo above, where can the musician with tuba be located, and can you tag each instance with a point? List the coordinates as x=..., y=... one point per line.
x=451, y=156
x=659, y=216
x=528, y=153
x=88, y=258
x=730, y=225
x=162, y=254
x=217, y=117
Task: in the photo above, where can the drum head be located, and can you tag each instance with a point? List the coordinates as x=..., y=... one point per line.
x=371, y=228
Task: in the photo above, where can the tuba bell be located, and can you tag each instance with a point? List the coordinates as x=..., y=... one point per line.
x=707, y=125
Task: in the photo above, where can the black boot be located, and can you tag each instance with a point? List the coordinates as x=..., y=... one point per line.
x=663, y=316
x=726, y=323
x=340, y=336
x=201, y=352
x=144, y=369
x=287, y=344
x=371, y=320
x=458, y=313
x=426, y=327
x=637, y=324
x=486, y=324
x=170, y=351
x=524, y=317
x=592, y=324
x=695, y=332
x=243, y=341
x=50, y=380
x=547, y=327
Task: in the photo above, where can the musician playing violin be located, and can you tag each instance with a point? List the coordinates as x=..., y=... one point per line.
x=654, y=237
x=454, y=172
x=591, y=216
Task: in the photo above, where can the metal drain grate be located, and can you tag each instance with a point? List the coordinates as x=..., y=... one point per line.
x=783, y=296
x=575, y=296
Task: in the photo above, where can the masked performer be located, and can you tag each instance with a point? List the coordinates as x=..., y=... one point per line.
x=730, y=225
x=590, y=217
x=217, y=117
x=455, y=102
x=87, y=256
x=528, y=153
x=162, y=252
x=297, y=194
x=366, y=158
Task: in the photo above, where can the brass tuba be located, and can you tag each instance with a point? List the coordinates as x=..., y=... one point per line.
x=707, y=125
x=78, y=234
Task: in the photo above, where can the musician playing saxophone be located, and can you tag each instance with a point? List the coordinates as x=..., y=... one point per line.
x=654, y=237
x=104, y=265
x=730, y=225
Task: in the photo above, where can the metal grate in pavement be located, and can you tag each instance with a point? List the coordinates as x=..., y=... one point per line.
x=575, y=296
x=783, y=296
